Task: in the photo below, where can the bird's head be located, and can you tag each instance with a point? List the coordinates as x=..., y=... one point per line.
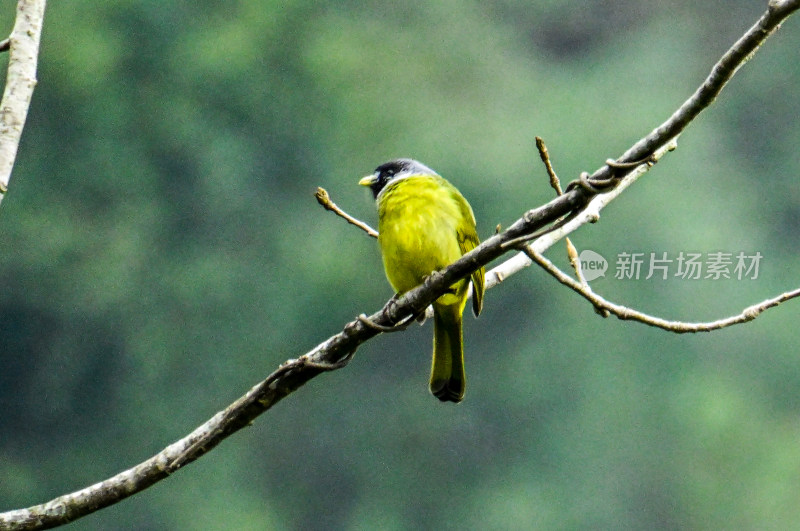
x=392, y=171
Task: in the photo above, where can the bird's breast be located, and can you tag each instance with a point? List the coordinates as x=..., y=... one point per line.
x=418, y=226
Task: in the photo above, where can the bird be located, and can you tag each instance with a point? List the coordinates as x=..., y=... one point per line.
x=424, y=225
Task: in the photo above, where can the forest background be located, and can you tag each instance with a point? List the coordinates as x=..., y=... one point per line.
x=161, y=251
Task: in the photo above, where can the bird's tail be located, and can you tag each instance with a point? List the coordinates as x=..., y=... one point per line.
x=448, y=380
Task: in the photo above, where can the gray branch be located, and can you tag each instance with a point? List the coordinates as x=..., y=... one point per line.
x=20, y=81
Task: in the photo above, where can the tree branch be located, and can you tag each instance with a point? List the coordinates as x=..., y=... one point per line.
x=579, y=202
x=324, y=199
x=605, y=307
x=589, y=214
x=722, y=72
x=20, y=81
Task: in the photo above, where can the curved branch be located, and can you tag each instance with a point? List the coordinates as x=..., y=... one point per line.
x=722, y=72
x=20, y=81
x=336, y=351
x=624, y=313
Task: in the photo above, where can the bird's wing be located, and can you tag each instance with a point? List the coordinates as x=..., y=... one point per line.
x=467, y=241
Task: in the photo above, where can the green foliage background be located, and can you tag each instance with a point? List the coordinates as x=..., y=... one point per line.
x=161, y=252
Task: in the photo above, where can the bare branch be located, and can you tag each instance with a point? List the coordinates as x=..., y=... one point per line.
x=555, y=183
x=20, y=81
x=288, y=377
x=548, y=166
x=606, y=307
x=722, y=72
x=590, y=214
x=579, y=203
x=324, y=199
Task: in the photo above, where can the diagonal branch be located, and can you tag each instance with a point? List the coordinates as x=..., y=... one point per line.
x=335, y=351
x=722, y=72
x=20, y=81
x=325, y=200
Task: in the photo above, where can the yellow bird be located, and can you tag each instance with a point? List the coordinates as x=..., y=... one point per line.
x=424, y=225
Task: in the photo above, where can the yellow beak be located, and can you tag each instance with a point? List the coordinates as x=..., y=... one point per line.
x=367, y=180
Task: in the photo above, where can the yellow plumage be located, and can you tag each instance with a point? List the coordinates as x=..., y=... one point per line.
x=424, y=225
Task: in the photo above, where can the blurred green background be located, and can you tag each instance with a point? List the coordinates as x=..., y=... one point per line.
x=161, y=251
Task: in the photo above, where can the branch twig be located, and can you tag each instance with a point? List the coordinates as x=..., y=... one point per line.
x=324, y=199
x=604, y=307
x=590, y=214
x=548, y=166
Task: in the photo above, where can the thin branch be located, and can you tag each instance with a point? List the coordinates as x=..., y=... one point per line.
x=604, y=306
x=20, y=81
x=590, y=214
x=335, y=351
x=722, y=72
x=555, y=183
x=324, y=199
x=288, y=377
x=548, y=166
x=5, y=45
